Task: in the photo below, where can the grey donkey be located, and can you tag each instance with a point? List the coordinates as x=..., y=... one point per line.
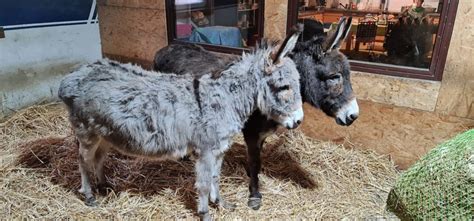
x=325, y=83
x=156, y=115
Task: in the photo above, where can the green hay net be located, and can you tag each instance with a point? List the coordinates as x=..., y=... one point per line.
x=440, y=186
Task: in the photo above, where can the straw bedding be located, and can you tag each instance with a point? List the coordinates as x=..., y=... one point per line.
x=301, y=178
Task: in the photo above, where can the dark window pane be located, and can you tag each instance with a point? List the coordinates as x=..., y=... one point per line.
x=43, y=11
x=230, y=23
x=390, y=32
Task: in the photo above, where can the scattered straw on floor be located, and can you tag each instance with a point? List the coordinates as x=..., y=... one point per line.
x=301, y=178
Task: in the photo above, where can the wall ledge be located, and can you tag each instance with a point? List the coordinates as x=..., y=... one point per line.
x=398, y=91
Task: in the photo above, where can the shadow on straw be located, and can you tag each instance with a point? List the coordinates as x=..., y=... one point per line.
x=147, y=177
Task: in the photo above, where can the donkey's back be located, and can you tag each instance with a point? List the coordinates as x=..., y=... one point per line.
x=191, y=59
x=130, y=107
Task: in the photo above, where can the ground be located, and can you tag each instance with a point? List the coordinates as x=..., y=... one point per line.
x=404, y=134
x=338, y=175
x=302, y=178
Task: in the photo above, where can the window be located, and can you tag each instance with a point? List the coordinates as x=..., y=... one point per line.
x=407, y=38
x=222, y=25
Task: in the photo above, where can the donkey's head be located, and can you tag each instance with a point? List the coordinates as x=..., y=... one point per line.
x=279, y=96
x=325, y=71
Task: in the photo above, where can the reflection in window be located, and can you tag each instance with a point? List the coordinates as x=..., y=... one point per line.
x=231, y=23
x=395, y=32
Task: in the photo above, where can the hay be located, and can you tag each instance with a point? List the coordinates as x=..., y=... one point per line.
x=301, y=178
x=440, y=186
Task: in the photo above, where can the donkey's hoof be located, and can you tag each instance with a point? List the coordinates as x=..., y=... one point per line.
x=104, y=189
x=226, y=205
x=205, y=216
x=91, y=202
x=254, y=203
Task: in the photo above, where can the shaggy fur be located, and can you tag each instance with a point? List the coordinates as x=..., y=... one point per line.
x=159, y=115
x=325, y=73
x=325, y=84
x=324, y=70
x=193, y=54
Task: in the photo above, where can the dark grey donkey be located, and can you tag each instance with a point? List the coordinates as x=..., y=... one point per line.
x=145, y=113
x=325, y=84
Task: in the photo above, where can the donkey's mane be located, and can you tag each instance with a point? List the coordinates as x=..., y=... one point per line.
x=257, y=55
x=313, y=46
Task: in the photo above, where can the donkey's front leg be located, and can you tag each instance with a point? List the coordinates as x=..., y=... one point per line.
x=254, y=147
x=255, y=132
x=204, y=166
x=256, y=129
x=215, y=193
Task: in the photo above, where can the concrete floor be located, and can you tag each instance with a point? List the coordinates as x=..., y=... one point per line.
x=402, y=133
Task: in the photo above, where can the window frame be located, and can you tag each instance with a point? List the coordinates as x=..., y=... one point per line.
x=171, y=29
x=440, y=51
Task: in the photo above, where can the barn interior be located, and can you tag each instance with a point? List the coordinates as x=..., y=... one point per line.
x=415, y=90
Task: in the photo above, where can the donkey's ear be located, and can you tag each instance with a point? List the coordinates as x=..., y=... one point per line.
x=287, y=46
x=334, y=40
x=347, y=29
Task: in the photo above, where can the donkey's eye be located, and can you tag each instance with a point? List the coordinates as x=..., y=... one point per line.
x=324, y=77
x=333, y=77
x=283, y=88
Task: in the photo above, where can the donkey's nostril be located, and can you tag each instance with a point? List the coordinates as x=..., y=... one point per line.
x=298, y=122
x=353, y=117
x=290, y=127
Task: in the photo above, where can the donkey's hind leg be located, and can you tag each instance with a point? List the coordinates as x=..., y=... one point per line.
x=88, y=144
x=100, y=155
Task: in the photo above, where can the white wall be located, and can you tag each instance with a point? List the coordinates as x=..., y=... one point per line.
x=33, y=60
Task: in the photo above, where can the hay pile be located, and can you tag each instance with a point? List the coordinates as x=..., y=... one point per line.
x=440, y=186
x=302, y=178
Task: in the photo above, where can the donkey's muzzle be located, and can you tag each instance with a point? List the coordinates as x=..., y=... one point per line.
x=348, y=121
x=294, y=120
x=348, y=113
x=294, y=126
